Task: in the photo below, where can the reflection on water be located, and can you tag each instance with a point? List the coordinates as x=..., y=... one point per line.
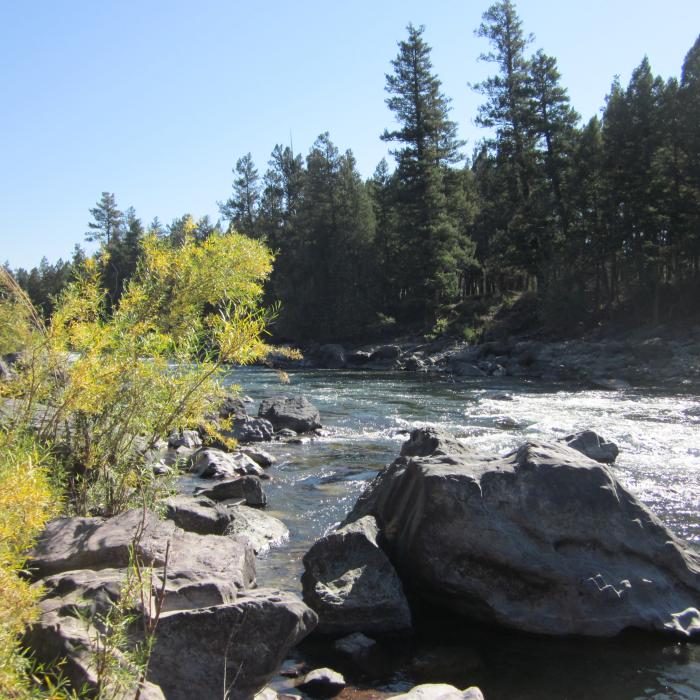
x=315, y=484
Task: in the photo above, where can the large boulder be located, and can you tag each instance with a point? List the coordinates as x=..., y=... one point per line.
x=295, y=413
x=229, y=650
x=543, y=540
x=67, y=544
x=351, y=584
x=593, y=445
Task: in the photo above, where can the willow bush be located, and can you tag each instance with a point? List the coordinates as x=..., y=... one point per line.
x=99, y=384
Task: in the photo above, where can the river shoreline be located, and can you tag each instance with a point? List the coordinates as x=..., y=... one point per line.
x=604, y=359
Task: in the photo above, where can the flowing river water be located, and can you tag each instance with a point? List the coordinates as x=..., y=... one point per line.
x=366, y=416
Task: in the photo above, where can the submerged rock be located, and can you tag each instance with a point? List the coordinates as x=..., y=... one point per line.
x=351, y=584
x=295, y=413
x=568, y=549
x=593, y=445
x=355, y=645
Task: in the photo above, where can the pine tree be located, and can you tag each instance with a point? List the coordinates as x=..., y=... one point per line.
x=432, y=249
x=241, y=209
x=108, y=220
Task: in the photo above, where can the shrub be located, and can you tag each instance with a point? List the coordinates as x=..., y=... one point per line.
x=97, y=383
x=28, y=498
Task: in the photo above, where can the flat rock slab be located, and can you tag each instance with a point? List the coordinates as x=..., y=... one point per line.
x=439, y=691
x=543, y=540
x=248, y=488
x=68, y=544
x=236, y=648
x=350, y=583
x=295, y=413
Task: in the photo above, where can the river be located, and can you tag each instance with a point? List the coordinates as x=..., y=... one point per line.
x=315, y=484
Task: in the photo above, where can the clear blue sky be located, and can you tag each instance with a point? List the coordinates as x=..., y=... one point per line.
x=155, y=100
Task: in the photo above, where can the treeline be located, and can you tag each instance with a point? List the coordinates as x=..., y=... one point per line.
x=597, y=219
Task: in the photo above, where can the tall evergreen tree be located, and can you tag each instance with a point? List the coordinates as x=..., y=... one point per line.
x=241, y=208
x=108, y=220
x=433, y=250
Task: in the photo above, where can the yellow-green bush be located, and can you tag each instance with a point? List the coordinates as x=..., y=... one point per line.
x=27, y=500
x=94, y=382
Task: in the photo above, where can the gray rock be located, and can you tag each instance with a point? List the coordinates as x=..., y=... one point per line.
x=251, y=430
x=568, y=551
x=6, y=372
x=295, y=413
x=322, y=683
x=261, y=530
x=465, y=369
x=248, y=488
x=189, y=439
x=330, y=356
x=351, y=584
x=260, y=457
x=67, y=544
x=358, y=357
x=210, y=463
x=93, y=592
x=285, y=433
x=232, y=407
x=386, y=352
x=355, y=645
x=236, y=647
x=414, y=364
x=653, y=349
x=593, y=446
x=439, y=691
x=197, y=514
x=426, y=442
x=54, y=636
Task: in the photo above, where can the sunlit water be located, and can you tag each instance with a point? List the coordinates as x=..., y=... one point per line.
x=367, y=415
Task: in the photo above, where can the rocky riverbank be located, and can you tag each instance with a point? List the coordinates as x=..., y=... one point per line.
x=603, y=359
x=191, y=577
